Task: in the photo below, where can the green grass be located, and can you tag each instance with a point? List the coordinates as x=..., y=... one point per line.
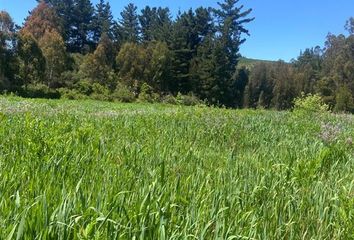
x=94, y=170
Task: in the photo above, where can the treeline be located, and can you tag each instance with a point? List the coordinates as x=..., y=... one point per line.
x=75, y=50
x=72, y=49
x=328, y=72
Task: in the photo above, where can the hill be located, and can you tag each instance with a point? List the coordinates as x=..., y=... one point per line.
x=249, y=62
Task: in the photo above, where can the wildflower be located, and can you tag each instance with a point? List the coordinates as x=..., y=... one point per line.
x=329, y=133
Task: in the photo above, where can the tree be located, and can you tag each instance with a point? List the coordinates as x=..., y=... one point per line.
x=53, y=49
x=102, y=21
x=31, y=61
x=131, y=62
x=230, y=27
x=7, y=56
x=350, y=26
x=6, y=27
x=81, y=27
x=98, y=67
x=159, y=66
x=344, y=100
x=202, y=70
x=65, y=11
x=43, y=18
x=184, y=43
x=260, y=86
x=230, y=20
x=129, y=24
x=284, y=89
x=155, y=24
x=307, y=70
x=147, y=21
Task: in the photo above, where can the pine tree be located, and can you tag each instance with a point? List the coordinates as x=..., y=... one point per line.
x=102, y=21
x=81, y=28
x=155, y=24
x=231, y=20
x=184, y=42
x=147, y=21
x=202, y=70
x=230, y=28
x=129, y=24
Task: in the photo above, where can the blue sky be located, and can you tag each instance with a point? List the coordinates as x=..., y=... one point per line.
x=281, y=29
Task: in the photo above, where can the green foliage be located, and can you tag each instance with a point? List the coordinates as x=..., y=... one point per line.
x=102, y=22
x=155, y=24
x=79, y=48
x=123, y=94
x=100, y=92
x=344, y=100
x=98, y=67
x=188, y=100
x=39, y=91
x=71, y=94
x=54, y=52
x=169, y=99
x=129, y=24
x=100, y=170
x=147, y=94
x=31, y=60
x=309, y=104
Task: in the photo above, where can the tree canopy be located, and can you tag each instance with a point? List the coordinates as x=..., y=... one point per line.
x=77, y=49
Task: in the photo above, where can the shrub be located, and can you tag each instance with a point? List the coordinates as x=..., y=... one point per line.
x=39, y=91
x=169, y=99
x=188, y=100
x=72, y=94
x=84, y=87
x=100, y=92
x=311, y=103
x=123, y=94
x=147, y=94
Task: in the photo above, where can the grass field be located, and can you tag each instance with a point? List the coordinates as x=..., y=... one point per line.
x=94, y=170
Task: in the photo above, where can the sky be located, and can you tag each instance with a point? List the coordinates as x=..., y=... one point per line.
x=282, y=28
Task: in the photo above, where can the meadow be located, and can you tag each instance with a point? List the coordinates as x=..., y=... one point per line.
x=97, y=170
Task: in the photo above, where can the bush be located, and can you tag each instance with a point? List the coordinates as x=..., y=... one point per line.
x=72, y=94
x=169, y=99
x=84, y=87
x=147, y=94
x=100, y=92
x=123, y=94
x=39, y=91
x=188, y=100
x=307, y=104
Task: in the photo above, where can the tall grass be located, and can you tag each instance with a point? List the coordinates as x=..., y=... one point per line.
x=92, y=170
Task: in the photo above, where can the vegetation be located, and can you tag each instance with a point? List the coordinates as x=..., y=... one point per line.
x=65, y=44
x=95, y=170
x=166, y=166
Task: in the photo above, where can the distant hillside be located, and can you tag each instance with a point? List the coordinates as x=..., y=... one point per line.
x=249, y=62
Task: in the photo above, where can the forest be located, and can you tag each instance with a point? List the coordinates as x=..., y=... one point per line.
x=74, y=50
